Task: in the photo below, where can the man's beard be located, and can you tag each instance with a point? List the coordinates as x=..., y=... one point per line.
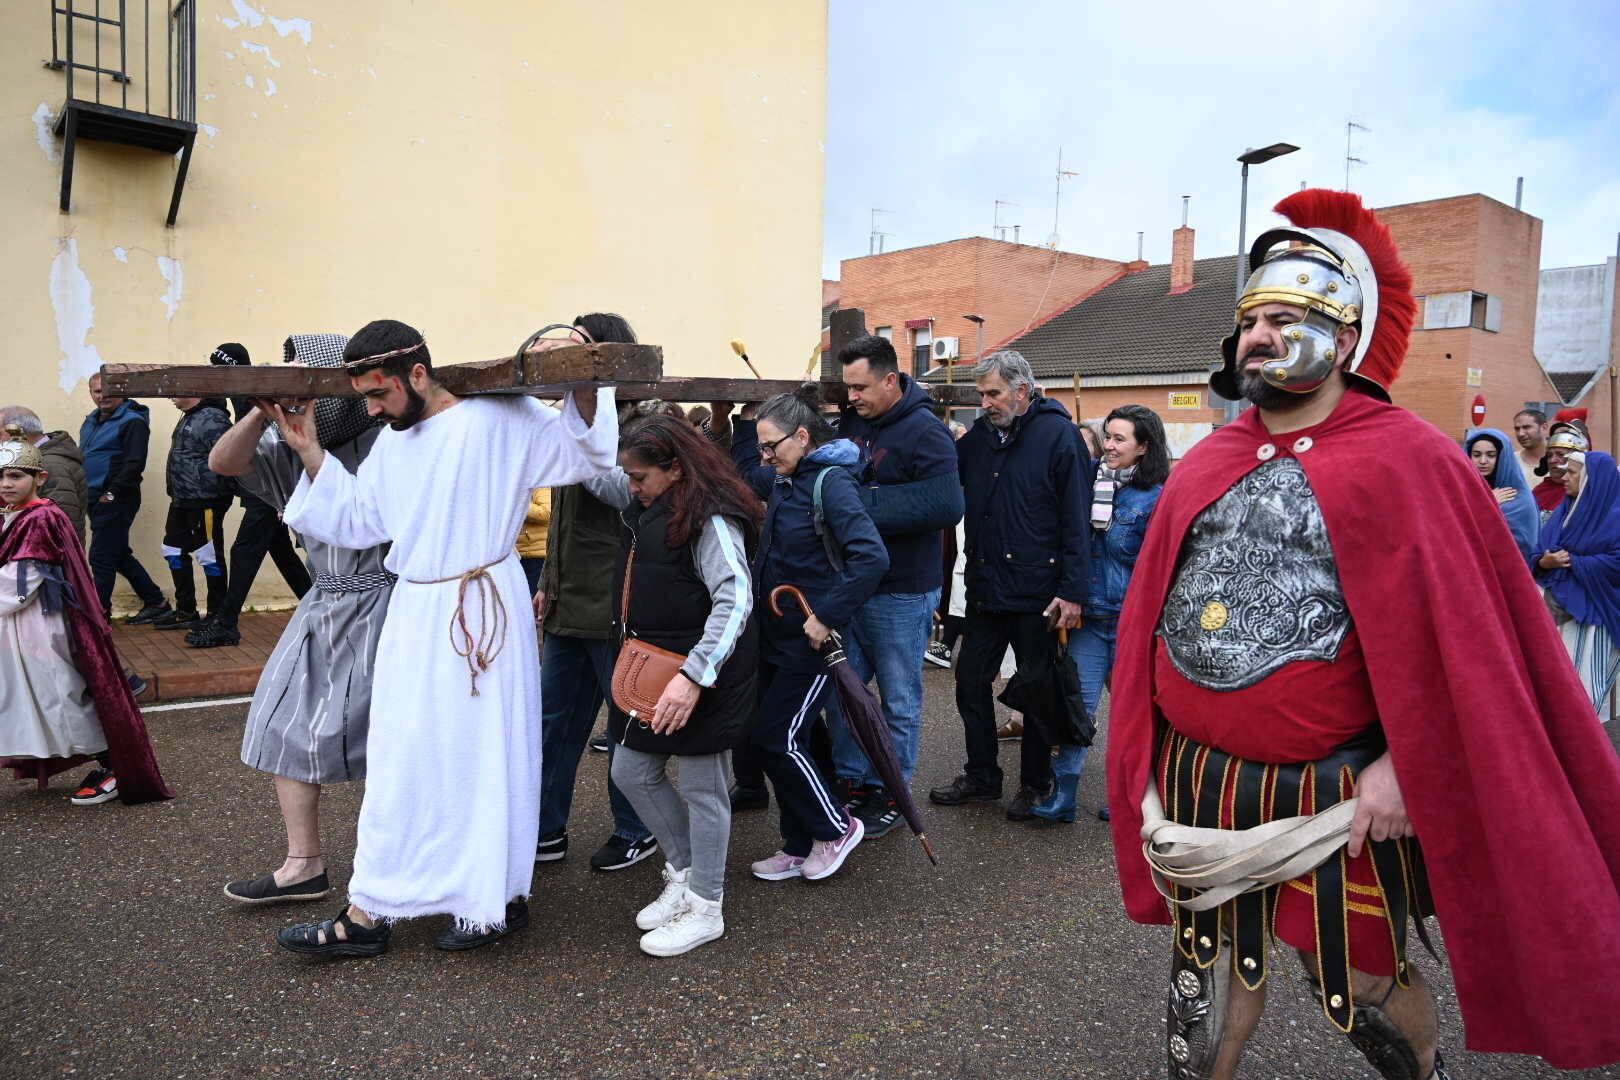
x=415, y=406
x=1261, y=394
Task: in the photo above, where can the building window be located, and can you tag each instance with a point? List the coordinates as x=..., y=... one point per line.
x=886, y=333
x=1462, y=310
x=922, y=344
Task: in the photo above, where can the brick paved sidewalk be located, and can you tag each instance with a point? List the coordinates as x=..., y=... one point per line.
x=172, y=669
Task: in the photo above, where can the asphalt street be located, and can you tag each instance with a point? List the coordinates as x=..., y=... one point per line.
x=1011, y=959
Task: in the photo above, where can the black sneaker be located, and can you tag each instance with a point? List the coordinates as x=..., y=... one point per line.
x=137, y=685
x=151, y=613
x=551, y=848
x=599, y=742
x=964, y=790
x=454, y=940
x=748, y=798
x=617, y=853
x=176, y=619
x=1022, y=806
x=100, y=785
x=849, y=793
x=937, y=654
x=213, y=635
x=878, y=813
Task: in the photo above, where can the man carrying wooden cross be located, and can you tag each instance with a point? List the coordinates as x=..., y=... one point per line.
x=451, y=809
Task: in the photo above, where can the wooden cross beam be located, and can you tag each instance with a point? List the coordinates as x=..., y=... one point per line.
x=636, y=371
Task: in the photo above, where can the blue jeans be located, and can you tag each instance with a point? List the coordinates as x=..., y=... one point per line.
x=1092, y=647
x=888, y=637
x=576, y=675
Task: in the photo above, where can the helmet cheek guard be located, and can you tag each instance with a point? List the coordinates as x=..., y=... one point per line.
x=1312, y=355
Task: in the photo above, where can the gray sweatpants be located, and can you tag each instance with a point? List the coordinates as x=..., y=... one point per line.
x=693, y=821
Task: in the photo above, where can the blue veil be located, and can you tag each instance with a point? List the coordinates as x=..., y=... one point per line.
x=1590, y=588
x=1524, y=520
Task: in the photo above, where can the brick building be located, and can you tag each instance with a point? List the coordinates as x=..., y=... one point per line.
x=1151, y=336
x=917, y=297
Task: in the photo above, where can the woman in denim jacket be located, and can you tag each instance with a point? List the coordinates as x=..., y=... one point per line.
x=1135, y=465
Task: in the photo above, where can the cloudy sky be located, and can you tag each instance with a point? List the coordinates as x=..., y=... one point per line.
x=937, y=109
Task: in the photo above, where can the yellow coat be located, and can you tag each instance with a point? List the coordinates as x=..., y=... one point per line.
x=531, y=542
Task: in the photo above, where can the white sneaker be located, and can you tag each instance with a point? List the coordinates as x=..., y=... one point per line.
x=698, y=923
x=670, y=903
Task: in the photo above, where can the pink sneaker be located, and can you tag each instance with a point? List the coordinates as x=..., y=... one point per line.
x=826, y=856
x=778, y=867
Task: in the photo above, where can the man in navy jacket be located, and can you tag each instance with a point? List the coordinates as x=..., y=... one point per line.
x=1026, y=476
x=113, y=440
x=910, y=487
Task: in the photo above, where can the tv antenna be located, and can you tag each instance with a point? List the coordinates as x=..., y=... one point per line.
x=1350, y=128
x=1057, y=199
x=999, y=228
x=874, y=241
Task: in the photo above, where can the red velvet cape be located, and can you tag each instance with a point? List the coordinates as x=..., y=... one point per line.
x=1509, y=779
x=45, y=533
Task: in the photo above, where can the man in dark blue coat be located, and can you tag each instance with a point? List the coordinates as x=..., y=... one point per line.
x=1026, y=479
x=910, y=487
x=113, y=440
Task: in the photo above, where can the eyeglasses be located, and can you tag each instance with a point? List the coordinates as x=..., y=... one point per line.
x=768, y=449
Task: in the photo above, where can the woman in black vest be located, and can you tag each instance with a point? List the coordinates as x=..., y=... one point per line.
x=682, y=584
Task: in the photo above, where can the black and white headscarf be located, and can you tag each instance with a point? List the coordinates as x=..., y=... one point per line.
x=337, y=419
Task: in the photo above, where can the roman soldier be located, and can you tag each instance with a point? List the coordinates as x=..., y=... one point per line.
x=1330, y=718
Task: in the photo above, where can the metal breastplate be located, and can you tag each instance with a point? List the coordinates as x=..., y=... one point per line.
x=1258, y=587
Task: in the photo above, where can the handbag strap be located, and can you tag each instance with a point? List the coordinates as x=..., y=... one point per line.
x=624, y=603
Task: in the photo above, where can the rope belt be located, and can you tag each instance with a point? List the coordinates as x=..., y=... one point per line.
x=479, y=651
x=353, y=583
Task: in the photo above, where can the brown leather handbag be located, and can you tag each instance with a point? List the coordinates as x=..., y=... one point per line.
x=642, y=671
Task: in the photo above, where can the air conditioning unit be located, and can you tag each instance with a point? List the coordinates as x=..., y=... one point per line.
x=947, y=348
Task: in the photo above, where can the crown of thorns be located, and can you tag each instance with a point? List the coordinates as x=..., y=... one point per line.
x=369, y=363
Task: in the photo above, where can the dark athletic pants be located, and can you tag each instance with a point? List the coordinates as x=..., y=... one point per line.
x=261, y=533
x=110, y=554
x=984, y=643
x=188, y=529
x=788, y=703
x=748, y=761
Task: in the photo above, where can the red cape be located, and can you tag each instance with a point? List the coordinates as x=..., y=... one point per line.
x=1548, y=494
x=1509, y=779
x=45, y=533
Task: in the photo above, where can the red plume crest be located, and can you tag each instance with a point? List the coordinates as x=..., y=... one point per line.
x=1321, y=208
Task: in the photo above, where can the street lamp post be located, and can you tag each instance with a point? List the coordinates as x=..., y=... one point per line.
x=1250, y=157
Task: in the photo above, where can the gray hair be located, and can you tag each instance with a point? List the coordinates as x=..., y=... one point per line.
x=799, y=409
x=1011, y=366
x=22, y=418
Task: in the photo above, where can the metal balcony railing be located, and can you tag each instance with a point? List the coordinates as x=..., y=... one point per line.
x=87, y=36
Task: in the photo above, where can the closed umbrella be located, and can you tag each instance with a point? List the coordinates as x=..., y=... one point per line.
x=864, y=716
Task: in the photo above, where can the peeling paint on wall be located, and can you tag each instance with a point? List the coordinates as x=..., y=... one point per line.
x=251, y=17
x=302, y=27
x=269, y=87
x=44, y=130
x=210, y=130
x=249, y=81
x=261, y=50
x=72, y=302
x=174, y=274
x=121, y=254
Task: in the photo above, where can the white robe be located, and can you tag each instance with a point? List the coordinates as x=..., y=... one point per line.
x=45, y=707
x=452, y=804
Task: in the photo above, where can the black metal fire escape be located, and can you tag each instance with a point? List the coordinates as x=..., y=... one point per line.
x=77, y=33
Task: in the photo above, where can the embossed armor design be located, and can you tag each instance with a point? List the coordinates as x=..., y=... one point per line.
x=1258, y=587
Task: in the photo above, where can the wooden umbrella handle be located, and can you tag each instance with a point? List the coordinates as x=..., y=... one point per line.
x=797, y=593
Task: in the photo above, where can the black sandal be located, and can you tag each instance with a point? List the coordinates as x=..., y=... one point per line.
x=321, y=938
x=264, y=890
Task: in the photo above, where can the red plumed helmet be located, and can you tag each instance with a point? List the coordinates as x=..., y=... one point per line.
x=1388, y=307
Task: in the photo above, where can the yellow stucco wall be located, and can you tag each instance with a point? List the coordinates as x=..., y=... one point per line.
x=476, y=170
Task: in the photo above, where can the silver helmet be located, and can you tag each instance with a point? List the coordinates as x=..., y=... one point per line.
x=1329, y=275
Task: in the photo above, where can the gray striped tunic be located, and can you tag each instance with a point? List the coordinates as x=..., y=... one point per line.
x=311, y=710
